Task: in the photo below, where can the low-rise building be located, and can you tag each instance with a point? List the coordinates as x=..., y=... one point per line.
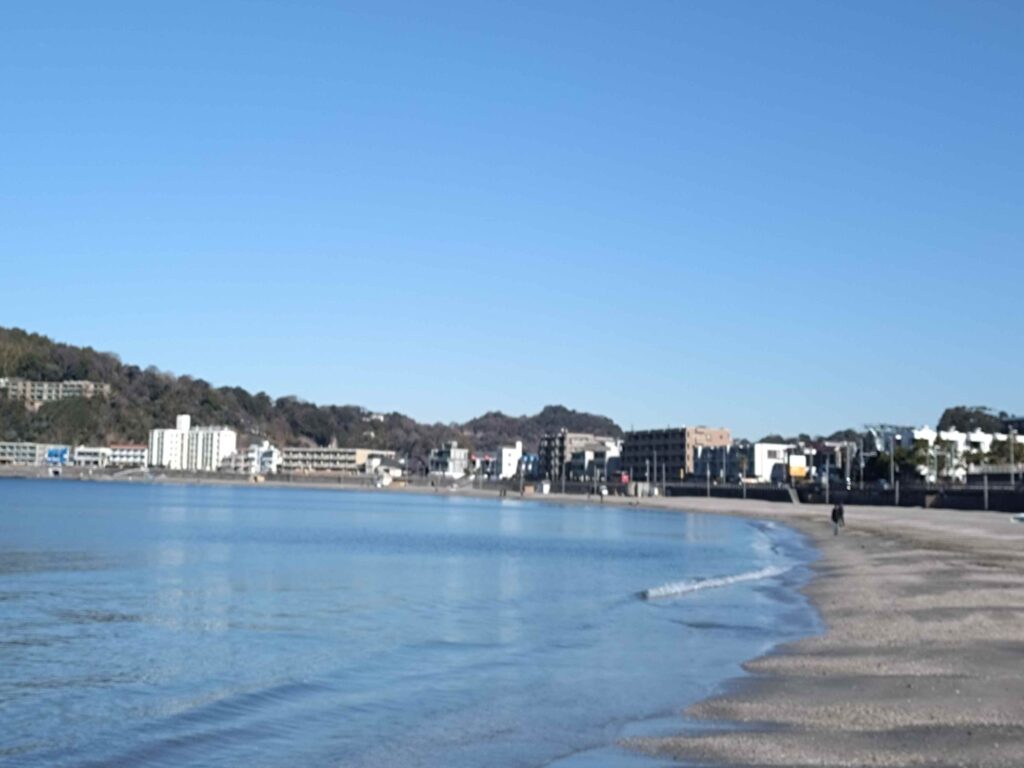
x=34, y=454
x=449, y=460
x=765, y=457
x=26, y=454
x=328, y=459
x=721, y=463
x=35, y=393
x=385, y=467
x=257, y=459
x=529, y=466
x=91, y=456
x=129, y=455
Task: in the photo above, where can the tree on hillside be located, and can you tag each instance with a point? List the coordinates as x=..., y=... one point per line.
x=966, y=418
x=142, y=399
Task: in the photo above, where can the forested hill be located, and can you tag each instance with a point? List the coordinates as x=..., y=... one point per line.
x=142, y=399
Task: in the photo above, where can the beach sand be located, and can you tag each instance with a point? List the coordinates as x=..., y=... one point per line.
x=922, y=662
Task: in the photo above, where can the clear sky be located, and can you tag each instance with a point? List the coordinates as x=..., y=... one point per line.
x=772, y=216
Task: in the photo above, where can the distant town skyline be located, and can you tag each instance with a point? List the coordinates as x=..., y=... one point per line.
x=773, y=218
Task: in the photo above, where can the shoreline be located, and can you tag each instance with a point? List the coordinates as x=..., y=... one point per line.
x=919, y=663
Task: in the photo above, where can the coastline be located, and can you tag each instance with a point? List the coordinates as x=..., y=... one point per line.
x=919, y=664
x=920, y=660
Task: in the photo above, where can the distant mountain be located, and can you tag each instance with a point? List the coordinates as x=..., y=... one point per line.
x=142, y=399
x=495, y=428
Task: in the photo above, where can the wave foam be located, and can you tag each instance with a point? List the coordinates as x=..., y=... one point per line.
x=675, y=588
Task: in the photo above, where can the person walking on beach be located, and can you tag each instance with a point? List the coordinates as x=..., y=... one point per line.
x=838, y=520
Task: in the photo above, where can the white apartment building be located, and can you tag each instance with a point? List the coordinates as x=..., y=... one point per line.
x=508, y=460
x=207, y=447
x=194, y=449
x=129, y=455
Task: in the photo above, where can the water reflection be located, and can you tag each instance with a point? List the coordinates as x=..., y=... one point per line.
x=195, y=626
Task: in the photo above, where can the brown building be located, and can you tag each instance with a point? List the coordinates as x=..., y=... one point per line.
x=669, y=452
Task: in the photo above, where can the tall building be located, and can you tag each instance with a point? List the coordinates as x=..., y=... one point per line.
x=556, y=450
x=194, y=449
x=668, y=453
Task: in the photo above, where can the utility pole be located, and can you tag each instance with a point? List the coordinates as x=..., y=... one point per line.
x=1013, y=457
x=860, y=460
x=828, y=472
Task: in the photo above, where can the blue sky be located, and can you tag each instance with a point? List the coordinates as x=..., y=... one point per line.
x=792, y=216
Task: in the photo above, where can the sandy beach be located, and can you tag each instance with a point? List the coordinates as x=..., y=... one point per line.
x=921, y=663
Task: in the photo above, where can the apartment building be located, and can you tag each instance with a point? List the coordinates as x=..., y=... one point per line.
x=35, y=393
x=556, y=450
x=671, y=453
x=330, y=459
x=129, y=455
x=193, y=449
x=34, y=454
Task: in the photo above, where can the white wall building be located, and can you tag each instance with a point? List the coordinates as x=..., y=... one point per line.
x=508, y=460
x=194, y=449
x=91, y=456
x=764, y=457
x=129, y=455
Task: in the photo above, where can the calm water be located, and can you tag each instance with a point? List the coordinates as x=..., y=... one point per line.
x=188, y=626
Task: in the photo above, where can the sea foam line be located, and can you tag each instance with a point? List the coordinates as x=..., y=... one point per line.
x=675, y=588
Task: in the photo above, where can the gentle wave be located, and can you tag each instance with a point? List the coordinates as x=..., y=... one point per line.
x=675, y=588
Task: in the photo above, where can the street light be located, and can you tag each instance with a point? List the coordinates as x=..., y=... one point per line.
x=892, y=459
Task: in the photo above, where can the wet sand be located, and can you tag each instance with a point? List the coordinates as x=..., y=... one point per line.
x=922, y=662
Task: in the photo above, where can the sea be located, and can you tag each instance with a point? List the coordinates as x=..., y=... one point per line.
x=189, y=625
